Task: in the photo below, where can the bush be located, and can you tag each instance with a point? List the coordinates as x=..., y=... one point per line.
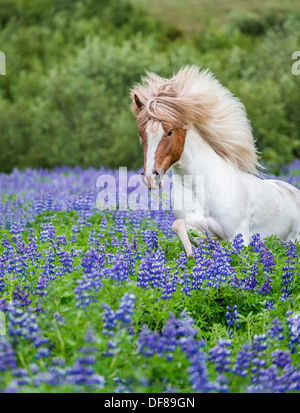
x=249, y=23
x=70, y=65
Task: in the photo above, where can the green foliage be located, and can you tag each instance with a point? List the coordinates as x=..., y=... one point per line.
x=249, y=23
x=206, y=306
x=70, y=65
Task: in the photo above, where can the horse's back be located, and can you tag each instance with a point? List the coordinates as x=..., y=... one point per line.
x=277, y=210
x=286, y=190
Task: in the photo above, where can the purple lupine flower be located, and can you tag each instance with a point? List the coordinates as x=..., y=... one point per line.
x=130, y=258
x=148, y=341
x=61, y=240
x=288, y=272
x=111, y=349
x=199, y=272
x=237, y=244
x=168, y=339
x=119, y=269
x=42, y=352
x=294, y=330
x=93, y=260
x=144, y=272
x=16, y=229
x=109, y=320
x=243, y=361
x=7, y=355
x=266, y=258
x=249, y=283
x=254, y=268
x=153, y=239
x=126, y=307
x=31, y=249
x=169, y=286
x=266, y=287
x=119, y=223
x=24, y=324
x=48, y=232
x=198, y=373
x=182, y=261
x=87, y=288
x=103, y=223
x=21, y=298
x=21, y=376
x=220, y=356
x=59, y=318
x=219, y=270
x=157, y=269
x=275, y=332
x=4, y=306
x=255, y=243
x=67, y=261
x=83, y=372
x=93, y=239
x=291, y=252
x=231, y=319
x=281, y=358
x=115, y=242
x=42, y=285
x=180, y=333
x=48, y=267
x=186, y=283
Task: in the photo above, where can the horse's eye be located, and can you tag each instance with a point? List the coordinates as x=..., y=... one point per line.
x=170, y=133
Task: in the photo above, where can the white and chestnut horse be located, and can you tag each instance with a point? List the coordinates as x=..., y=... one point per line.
x=195, y=126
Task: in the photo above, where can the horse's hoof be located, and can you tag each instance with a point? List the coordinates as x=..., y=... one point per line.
x=190, y=256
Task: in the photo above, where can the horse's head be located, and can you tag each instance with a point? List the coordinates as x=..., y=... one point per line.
x=162, y=146
x=162, y=143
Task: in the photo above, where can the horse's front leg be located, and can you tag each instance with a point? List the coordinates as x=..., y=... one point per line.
x=179, y=228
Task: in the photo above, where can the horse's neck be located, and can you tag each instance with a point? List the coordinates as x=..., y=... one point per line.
x=200, y=177
x=198, y=158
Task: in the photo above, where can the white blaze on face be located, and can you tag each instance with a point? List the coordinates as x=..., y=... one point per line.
x=154, y=132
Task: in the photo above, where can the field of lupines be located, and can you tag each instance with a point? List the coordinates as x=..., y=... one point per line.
x=95, y=301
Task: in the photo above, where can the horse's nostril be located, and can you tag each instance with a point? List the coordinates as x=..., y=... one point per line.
x=154, y=171
x=142, y=173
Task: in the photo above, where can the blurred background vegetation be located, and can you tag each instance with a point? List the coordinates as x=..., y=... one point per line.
x=70, y=65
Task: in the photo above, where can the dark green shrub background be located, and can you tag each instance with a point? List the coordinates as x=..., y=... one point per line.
x=71, y=63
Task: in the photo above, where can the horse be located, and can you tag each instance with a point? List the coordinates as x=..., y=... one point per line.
x=194, y=126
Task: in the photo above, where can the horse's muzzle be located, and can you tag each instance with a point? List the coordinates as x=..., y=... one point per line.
x=153, y=181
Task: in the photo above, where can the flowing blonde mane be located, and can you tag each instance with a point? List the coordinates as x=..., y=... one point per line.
x=194, y=99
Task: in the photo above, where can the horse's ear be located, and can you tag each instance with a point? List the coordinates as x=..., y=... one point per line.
x=137, y=101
